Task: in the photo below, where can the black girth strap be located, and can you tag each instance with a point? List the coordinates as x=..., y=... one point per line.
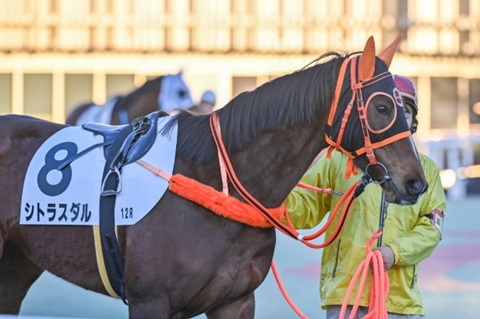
x=112, y=256
x=131, y=142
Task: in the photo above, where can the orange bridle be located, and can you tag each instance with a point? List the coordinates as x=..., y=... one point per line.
x=357, y=87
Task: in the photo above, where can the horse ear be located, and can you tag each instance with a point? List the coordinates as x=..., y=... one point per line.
x=366, y=65
x=387, y=54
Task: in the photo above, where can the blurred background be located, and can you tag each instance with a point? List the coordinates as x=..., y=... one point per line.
x=56, y=54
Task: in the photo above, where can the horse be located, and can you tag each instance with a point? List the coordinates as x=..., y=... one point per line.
x=182, y=259
x=166, y=93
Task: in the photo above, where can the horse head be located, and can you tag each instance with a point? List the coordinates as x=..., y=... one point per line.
x=174, y=93
x=367, y=123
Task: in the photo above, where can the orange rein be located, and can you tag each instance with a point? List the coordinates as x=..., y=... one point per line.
x=288, y=229
x=229, y=207
x=248, y=213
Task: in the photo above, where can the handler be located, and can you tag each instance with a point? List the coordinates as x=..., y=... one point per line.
x=410, y=235
x=207, y=102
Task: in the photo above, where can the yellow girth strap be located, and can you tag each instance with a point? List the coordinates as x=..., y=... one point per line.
x=101, y=262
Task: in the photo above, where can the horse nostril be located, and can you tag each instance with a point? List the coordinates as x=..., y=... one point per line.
x=416, y=187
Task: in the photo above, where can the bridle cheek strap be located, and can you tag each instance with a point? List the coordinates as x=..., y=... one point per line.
x=338, y=91
x=346, y=115
x=362, y=115
x=356, y=91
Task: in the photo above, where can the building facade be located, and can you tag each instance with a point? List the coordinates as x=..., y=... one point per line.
x=55, y=54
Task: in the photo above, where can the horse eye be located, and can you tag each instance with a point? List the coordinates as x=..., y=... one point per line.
x=381, y=109
x=182, y=93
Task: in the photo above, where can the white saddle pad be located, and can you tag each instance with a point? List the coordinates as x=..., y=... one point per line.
x=71, y=196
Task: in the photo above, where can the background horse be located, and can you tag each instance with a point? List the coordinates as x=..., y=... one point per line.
x=165, y=93
x=182, y=260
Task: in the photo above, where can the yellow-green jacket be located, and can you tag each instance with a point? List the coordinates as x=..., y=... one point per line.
x=407, y=231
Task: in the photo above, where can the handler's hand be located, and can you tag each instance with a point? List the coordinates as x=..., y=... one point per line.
x=388, y=256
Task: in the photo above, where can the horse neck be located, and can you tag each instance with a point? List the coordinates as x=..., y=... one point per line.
x=282, y=126
x=140, y=102
x=272, y=165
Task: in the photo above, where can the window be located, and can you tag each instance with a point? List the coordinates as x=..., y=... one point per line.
x=119, y=84
x=5, y=93
x=78, y=90
x=444, y=103
x=474, y=101
x=37, y=95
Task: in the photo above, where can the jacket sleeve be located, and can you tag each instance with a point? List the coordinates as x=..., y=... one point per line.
x=418, y=243
x=307, y=208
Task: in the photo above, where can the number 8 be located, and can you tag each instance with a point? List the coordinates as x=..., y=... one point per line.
x=52, y=164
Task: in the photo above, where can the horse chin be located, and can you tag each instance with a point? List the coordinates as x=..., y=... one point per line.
x=394, y=196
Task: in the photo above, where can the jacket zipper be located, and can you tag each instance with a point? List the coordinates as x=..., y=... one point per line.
x=336, y=258
x=413, y=277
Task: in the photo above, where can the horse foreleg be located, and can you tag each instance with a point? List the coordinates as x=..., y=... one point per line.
x=17, y=274
x=243, y=308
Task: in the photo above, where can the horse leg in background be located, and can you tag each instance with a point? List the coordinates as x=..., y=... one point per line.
x=17, y=274
x=242, y=308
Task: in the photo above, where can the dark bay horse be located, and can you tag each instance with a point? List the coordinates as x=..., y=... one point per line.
x=182, y=260
x=165, y=93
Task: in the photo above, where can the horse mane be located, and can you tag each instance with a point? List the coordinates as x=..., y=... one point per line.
x=288, y=100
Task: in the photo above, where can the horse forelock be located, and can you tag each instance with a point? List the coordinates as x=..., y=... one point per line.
x=300, y=97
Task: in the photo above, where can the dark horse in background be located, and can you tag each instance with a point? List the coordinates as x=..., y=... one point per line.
x=182, y=260
x=164, y=93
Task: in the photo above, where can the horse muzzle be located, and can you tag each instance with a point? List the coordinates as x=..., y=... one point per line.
x=414, y=188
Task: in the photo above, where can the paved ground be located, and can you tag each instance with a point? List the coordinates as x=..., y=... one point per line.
x=450, y=279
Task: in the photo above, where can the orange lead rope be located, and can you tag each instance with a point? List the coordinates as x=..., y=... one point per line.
x=289, y=300
x=379, y=288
